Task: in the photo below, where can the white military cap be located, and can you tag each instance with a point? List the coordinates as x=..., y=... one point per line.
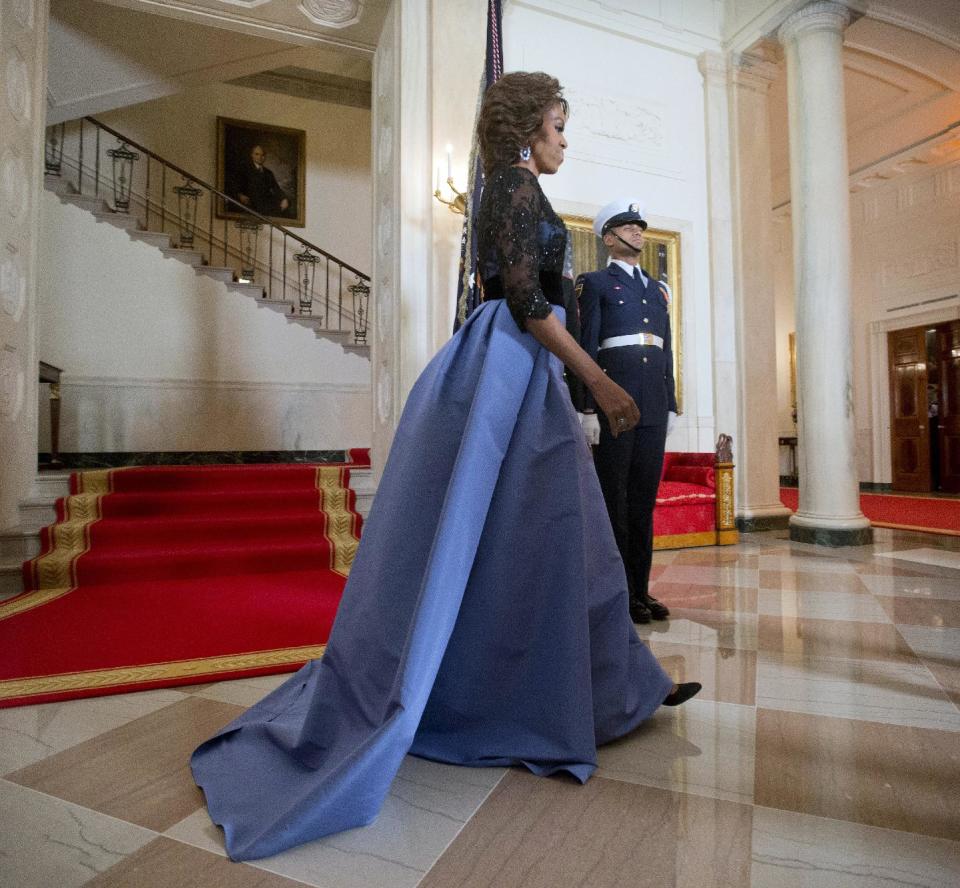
x=618, y=212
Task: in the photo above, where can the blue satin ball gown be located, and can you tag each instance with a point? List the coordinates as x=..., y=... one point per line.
x=485, y=619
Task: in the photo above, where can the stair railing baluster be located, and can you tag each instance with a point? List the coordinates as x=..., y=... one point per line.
x=326, y=297
x=284, y=266
x=96, y=166
x=270, y=266
x=146, y=199
x=163, y=197
x=80, y=162
x=210, y=228
x=340, y=302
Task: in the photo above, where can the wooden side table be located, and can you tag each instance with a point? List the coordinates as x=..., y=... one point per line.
x=51, y=374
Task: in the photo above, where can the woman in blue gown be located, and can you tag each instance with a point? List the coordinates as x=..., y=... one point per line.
x=485, y=620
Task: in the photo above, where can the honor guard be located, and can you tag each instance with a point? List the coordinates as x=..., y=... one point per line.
x=625, y=328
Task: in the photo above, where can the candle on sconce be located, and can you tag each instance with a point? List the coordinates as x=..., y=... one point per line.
x=449, y=161
x=438, y=178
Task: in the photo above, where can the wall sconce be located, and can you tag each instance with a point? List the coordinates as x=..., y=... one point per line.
x=53, y=154
x=457, y=203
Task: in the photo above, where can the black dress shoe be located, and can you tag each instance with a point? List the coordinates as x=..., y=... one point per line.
x=639, y=612
x=683, y=693
x=657, y=610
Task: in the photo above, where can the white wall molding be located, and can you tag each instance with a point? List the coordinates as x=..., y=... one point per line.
x=239, y=385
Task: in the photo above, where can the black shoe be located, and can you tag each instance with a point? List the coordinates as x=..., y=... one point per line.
x=657, y=610
x=639, y=612
x=683, y=693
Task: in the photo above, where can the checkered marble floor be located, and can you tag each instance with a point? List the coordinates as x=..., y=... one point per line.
x=823, y=751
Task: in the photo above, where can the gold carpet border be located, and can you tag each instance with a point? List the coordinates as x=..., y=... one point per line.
x=685, y=540
x=29, y=600
x=121, y=675
x=340, y=529
x=54, y=572
x=917, y=527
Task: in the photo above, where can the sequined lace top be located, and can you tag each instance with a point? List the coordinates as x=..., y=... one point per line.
x=520, y=243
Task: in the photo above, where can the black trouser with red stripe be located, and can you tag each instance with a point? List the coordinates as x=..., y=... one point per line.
x=629, y=468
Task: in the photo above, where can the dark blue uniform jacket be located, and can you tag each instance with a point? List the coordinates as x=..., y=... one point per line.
x=614, y=304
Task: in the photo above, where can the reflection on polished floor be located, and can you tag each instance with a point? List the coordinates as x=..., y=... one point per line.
x=823, y=751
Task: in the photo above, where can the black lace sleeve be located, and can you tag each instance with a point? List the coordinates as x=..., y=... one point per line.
x=517, y=246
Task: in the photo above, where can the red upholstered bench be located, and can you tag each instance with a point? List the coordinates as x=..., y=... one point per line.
x=694, y=502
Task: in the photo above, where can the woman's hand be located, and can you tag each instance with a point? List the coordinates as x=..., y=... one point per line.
x=620, y=409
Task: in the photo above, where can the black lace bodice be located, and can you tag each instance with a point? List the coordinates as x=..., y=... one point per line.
x=521, y=243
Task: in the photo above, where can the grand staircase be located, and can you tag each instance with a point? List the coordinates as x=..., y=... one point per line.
x=20, y=543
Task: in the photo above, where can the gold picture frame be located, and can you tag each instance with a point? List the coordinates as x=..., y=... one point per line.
x=282, y=155
x=660, y=257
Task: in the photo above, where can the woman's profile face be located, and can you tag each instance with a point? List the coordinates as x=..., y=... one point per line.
x=549, y=143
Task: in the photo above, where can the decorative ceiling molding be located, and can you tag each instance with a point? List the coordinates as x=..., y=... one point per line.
x=243, y=21
x=314, y=85
x=912, y=23
x=332, y=13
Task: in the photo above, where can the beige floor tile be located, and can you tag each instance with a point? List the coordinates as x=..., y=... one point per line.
x=138, y=772
x=793, y=850
x=708, y=628
x=428, y=804
x=31, y=733
x=701, y=747
x=552, y=833
x=165, y=863
x=811, y=581
x=48, y=843
x=243, y=691
x=922, y=611
x=858, y=607
x=881, y=775
x=832, y=638
x=728, y=675
x=711, y=574
x=741, y=600
x=913, y=586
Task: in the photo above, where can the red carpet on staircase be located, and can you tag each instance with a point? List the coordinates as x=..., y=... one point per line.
x=928, y=514
x=171, y=575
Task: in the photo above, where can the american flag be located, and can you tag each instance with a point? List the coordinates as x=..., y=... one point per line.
x=468, y=288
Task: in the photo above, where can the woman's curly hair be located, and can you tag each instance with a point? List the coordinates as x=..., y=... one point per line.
x=512, y=113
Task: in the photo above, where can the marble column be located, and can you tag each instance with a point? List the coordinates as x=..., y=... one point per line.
x=23, y=63
x=829, y=511
x=715, y=70
x=401, y=308
x=754, y=325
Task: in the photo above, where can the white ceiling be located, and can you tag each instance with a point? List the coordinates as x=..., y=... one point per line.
x=902, y=92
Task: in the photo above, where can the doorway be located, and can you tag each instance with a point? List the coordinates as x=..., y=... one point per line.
x=925, y=408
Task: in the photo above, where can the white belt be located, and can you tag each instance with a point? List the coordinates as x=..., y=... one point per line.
x=633, y=339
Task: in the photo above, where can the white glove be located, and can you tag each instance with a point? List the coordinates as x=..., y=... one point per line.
x=591, y=427
x=671, y=422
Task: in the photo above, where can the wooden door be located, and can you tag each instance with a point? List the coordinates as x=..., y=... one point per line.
x=909, y=431
x=948, y=355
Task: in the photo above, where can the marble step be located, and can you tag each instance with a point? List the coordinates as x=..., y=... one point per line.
x=17, y=544
x=254, y=290
x=276, y=305
x=11, y=579
x=86, y=202
x=154, y=238
x=218, y=273
x=118, y=220
x=188, y=257
x=361, y=482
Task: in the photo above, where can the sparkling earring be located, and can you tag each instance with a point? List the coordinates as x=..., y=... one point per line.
x=525, y=153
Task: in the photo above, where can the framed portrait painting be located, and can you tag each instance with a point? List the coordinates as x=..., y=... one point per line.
x=262, y=167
